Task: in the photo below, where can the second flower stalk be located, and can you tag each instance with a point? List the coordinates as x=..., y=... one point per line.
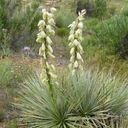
x=46, y=29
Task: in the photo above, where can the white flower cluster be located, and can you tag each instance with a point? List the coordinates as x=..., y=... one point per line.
x=75, y=39
x=46, y=29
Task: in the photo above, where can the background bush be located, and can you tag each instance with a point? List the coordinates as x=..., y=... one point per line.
x=20, y=19
x=111, y=34
x=94, y=8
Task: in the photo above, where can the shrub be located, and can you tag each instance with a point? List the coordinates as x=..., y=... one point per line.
x=6, y=73
x=21, y=22
x=85, y=4
x=111, y=34
x=93, y=99
x=62, y=31
x=125, y=11
x=97, y=8
x=100, y=8
x=63, y=19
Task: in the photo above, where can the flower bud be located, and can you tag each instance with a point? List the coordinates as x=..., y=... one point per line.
x=70, y=66
x=52, y=75
x=45, y=15
x=51, y=55
x=53, y=67
x=75, y=64
x=39, y=40
x=73, y=72
x=40, y=51
x=79, y=56
x=72, y=59
x=43, y=47
x=70, y=44
x=80, y=49
x=50, y=49
x=48, y=40
x=44, y=55
x=47, y=65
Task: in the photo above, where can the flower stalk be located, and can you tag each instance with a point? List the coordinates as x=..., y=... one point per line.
x=75, y=39
x=46, y=29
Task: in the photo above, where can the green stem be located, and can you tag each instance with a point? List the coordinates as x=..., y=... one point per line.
x=47, y=71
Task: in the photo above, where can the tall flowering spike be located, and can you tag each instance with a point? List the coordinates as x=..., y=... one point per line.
x=46, y=29
x=75, y=39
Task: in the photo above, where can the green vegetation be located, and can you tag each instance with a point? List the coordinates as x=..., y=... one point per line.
x=6, y=73
x=95, y=98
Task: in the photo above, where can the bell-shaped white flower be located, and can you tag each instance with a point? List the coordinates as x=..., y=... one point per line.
x=39, y=40
x=75, y=43
x=44, y=55
x=43, y=47
x=48, y=28
x=70, y=44
x=80, y=48
x=71, y=37
x=81, y=67
x=51, y=21
x=80, y=25
x=41, y=34
x=43, y=10
x=50, y=16
x=70, y=66
x=72, y=58
x=41, y=23
x=50, y=48
x=52, y=67
x=73, y=25
x=47, y=65
x=45, y=15
x=51, y=32
x=73, y=72
x=40, y=51
x=51, y=55
x=48, y=40
x=53, y=10
x=75, y=64
x=78, y=33
x=52, y=75
x=79, y=57
x=72, y=50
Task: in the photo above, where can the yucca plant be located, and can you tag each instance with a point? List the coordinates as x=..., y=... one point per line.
x=93, y=100
x=38, y=109
x=97, y=97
